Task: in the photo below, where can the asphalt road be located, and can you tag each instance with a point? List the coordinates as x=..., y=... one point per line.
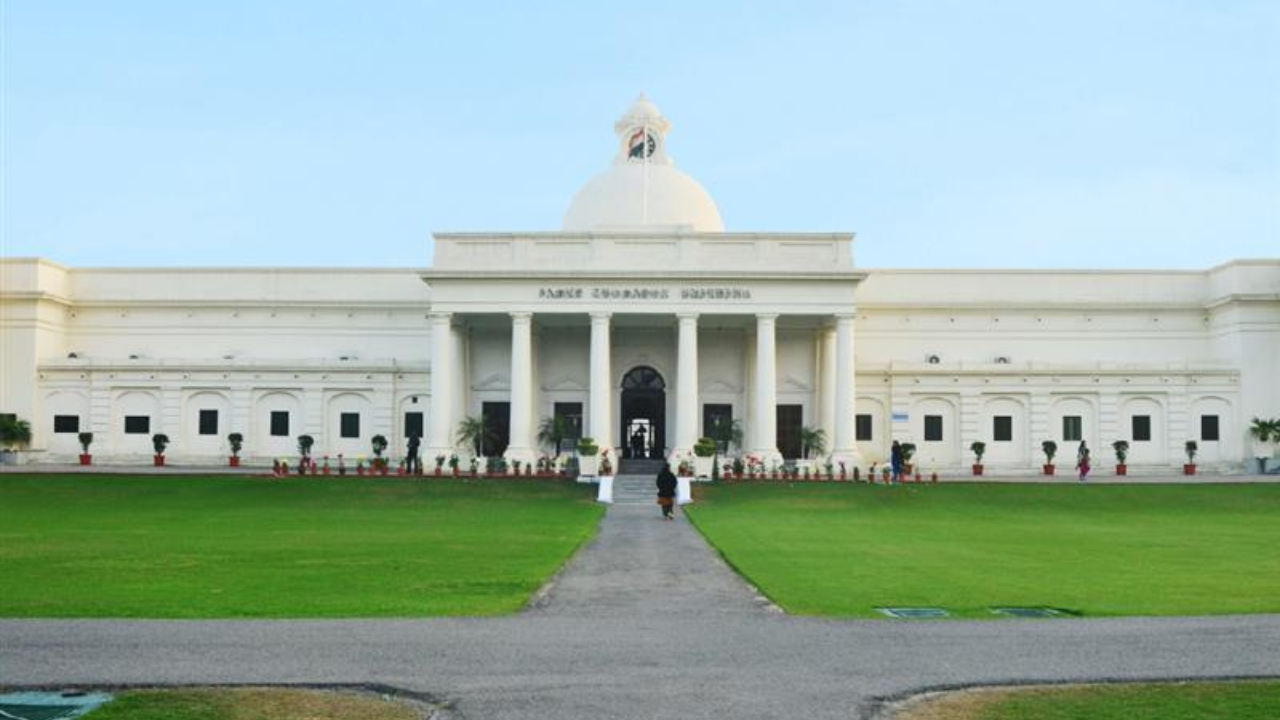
x=647, y=622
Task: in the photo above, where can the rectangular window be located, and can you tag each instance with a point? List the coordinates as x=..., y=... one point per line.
x=279, y=423
x=1142, y=428
x=1072, y=428
x=933, y=428
x=1208, y=428
x=208, y=422
x=571, y=414
x=862, y=428
x=413, y=424
x=66, y=423
x=349, y=425
x=137, y=424
x=1002, y=428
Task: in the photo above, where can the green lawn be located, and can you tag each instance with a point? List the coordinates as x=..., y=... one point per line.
x=202, y=547
x=845, y=549
x=1244, y=700
x=251, y=704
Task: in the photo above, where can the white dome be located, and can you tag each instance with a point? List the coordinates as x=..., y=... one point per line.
x=644, y=189
x=616, y=199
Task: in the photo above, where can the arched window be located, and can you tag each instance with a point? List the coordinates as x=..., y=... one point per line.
x=643, y=378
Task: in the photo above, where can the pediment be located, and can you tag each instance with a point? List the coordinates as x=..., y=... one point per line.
x=719, y=386
x=496, y=381
x=790, y=383
x=564, y=383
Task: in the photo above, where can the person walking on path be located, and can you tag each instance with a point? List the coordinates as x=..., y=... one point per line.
x=667, y=491
x=1082, y=461
x=896, y=461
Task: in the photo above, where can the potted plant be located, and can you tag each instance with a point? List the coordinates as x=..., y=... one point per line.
x=1265, y=434
x=379, y=444
x=86, y=439
x=304, y=450
x=726, y=432
x=453, y=464
x=159, y=441
x=588, y=463
x=15, y=434
x=440, y=465
x=704, y=453
x=813, y=443
x=1190, y=467
x=553, y=431
x=1050, y=448
x=685, y=468
x=908, y=452
x=978, y=448
x=1121, y=448
x=606, y=465
x=236, y=441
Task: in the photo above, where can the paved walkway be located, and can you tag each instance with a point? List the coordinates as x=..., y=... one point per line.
x=646, y=623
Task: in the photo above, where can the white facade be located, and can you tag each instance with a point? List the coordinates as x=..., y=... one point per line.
x=644, y=277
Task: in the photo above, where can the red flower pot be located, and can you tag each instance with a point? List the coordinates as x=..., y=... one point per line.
x=86, y=459
x=1188, y=469
x=234, y=461
x=1048, y=469
x=158, y=461
x=1122, y=469
x=977, y=469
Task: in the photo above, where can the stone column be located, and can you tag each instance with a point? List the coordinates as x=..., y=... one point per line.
x=600, y=406
x=827, y=383
x=521, y=445
x=687, y=384
x=765, y=422
x=844, y=445
x=440, y=420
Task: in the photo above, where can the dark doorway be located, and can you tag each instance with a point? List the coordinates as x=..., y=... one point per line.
x=790, y=418
x=497, y=416
x=717, y=424
x=644, y=414
x=571, y=414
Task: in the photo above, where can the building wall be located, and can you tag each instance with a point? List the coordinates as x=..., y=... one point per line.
x=1029, y=345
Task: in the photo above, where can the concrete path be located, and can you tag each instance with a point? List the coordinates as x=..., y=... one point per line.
x=646, y=623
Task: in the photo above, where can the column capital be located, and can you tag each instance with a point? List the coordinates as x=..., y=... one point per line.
x=521, y=316
x=600, y=316
x=769, y=317
x=687, y=315
x=844, y=316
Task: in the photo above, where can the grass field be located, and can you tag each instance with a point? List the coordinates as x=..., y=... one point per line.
x=843, y=550
x=191, y=547
x=250, y=704
x=1244, y=700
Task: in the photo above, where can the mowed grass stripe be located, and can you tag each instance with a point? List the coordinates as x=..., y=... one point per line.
x=191, y=547
x=845, y=549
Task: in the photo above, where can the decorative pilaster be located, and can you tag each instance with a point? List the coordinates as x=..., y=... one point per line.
x=765, y=423
x=600, y=405
x=687, y=384
x=440, y=421
x=844, y=444
x=827, y=383
x=521, y=445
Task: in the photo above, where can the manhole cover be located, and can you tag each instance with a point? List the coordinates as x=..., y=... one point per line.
x=913, y=613
x=1026, y=612
x=48, y=705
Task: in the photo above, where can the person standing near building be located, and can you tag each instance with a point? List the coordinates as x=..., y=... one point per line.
x=896, y=461
x=667, y=492
x=413, y=463
x=1082, y=461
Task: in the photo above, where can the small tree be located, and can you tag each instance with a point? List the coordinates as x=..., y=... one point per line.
x=475, y=433
x=908, y=452
x=304, y=445
x=1121, y=448
x=552, y=432
x=379, y=443
x=813, y=442
x=1050, y=448
x=978, y=448
x=160, y=441
x=236, y=441
x=1191, y=448
x=705, y=447
x=726, y=431
x=14, y=432
x=86, y=439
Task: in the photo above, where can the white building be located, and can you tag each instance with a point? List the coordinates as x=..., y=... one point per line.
x=643, y=312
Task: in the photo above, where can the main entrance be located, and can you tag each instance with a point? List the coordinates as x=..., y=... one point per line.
x=644, y=414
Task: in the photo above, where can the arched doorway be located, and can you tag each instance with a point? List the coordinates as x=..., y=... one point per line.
x=644, y=414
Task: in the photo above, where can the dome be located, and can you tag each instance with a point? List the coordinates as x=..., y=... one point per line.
x=644, y=189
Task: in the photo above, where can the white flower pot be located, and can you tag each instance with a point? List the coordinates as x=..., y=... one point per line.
x=605, y=493
x=702, y=466
x=589, y=465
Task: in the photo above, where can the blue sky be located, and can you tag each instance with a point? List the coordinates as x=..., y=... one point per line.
x=945, y=134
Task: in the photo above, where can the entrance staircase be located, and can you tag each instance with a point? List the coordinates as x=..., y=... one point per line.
x=635, y=489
